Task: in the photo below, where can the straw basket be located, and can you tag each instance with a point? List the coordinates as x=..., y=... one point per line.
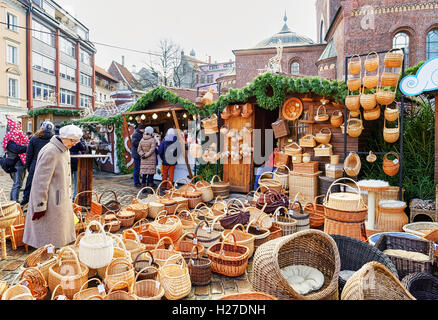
x=312, y=248
x=293, y=149
x=391, y=167
x=119, y=274
x=96, y=250
x=199, y=268
x=112, y=222
x=385, y=98
x=345, y=212
x=282, y=177
x=68, y=272
x=207, y=233
x=18, y=292
x=269, y=183
x=228, y=259
x=354, y=127
x=175, y=279
x=115, y=294
x=352, y=102
x=391, y=114
x=352, y=164
x=242, y=237
x=286, y=223
x=36, y=282
x=391, y=135
x=321, y=117
x=324, y=137
x=205, y=188
x=355, y=65
x=384, y=285
x=133, y=246
x=141, y=210
x=210, y=124
x=371, y=63
x=42, y=258
x=389, y=79
x=111, y=205
x=85, y=294
x=391, y=216
x=185, y=245
x=323, y=150
x=220, y=188
x=147, y=289
x=373, y=114
x=354, y=84
x=394, y=58
x=193, y=195
x=368, y=101
x=307, y=141
x=336, y=119
x=370, y=82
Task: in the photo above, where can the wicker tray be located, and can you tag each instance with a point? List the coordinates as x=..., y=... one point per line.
x=420, y=228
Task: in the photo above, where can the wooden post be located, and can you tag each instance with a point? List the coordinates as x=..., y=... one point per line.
x=85, y=181
x=183, y=144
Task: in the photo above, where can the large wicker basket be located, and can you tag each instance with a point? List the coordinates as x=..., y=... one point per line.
x=374, y=281
x=312, y=248
x=220, y=188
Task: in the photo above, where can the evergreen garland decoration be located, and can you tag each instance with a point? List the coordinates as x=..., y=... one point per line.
x=55, y=111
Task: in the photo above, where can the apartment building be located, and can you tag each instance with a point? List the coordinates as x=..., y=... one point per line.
x=105, y=85
x=13, y=96
x=61, y=71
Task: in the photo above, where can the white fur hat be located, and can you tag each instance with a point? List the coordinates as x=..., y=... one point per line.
x=70, y=132
x=149, y=130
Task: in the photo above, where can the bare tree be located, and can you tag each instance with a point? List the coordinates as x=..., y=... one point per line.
x=164, y=64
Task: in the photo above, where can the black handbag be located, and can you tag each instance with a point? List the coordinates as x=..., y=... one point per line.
x=8, y=163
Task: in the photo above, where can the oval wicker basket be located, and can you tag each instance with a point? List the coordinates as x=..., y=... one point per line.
x=337, y=118
x=370, y=82
x=220, y=188
x=119, y=274
x=269, y=183
x=420, y=228
x=354, y=84
x=241, y=236
x=352, y=164
x=391, y=135
x=147, y=289
x=371, y=64
x=323, y=137
x=354, y=127
x=175, y=279
x=373, y=114
x=391, y=114
x=385, y=98
x=321, y=117
x=389, y=79
x=391, y=167
x=352, y=102
x=355, y=65
x=368, y=101
x=394, y=58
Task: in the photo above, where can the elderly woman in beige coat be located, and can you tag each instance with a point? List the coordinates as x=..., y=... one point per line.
x=146, y=151
x=49, y=218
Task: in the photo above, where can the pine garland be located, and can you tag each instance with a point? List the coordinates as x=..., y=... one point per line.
x=55, y=111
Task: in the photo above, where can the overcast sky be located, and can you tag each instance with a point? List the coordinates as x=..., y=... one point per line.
x=211, y=28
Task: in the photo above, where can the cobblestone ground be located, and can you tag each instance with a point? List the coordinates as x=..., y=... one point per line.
x=11, y=267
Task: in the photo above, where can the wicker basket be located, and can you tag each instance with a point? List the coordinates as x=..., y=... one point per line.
x=167, y=226
x=119, y=274
x=220, y=188
x=18, y=292
x=161, y=255
x=389, y=79
x=370, y=82
x=85, y=294
x=114, y=294
x=145, y=269
x=324, y=137
x=286, y=223
x=76, y=276
x=354, y=127
x=175, y=279
x=391, y=167
x=371, y=115
x=316, y=212
x=9, y=215
x=391, y=114
x=374, y=281
x=307, y=141
x=368, y=101
x=132, y=244
x=96, y=250
x=147, y=289
x=185, y=245
x=352, y=102
x=293, y=149
x=385, y=98
x=312, y=248
x=210, y=124
x=269, y=183
x=141, y=210
x=281, y=129
x=355, y=65
x=199, y=268
x=37, y=283
x=352, y=164
x=394, y=58
x=354, y=84
x=404, y=265
x=391, y=135
x=205, y=188
x=119, y=252
x=337, y=118
x=423, y=286
x=371, y=64
x=242, y=237
x=420, y=228
x=228, y=259
x=321, y=117
x=42, y=258
x=323, y=150
x=261, y=235
x=282, y=177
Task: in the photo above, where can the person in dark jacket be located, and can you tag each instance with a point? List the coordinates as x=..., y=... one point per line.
x=135, y=140
x=168, y=152
x=79, y=148
x=36, y=143
x=15, y=144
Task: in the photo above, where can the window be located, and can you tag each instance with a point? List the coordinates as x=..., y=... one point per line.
x=42, y=91
x=210, y=79
x=104, y=97
x=85, y=58
x=85, y=101
x=100, y=98
x=43, y=63
x=11, y=54
x=321, y=32
x=67, y=72
x=67, y=47
x=12, y=22
x=42, y=33
x=295, y=68
x=68, y=97
x=432, y=44
x=202, y=79
x=214, y=67
x=85, y=80
x=401, y=41
x=13, y=88
x=49, y=9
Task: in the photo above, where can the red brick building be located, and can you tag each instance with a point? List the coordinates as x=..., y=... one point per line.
x=347, y=27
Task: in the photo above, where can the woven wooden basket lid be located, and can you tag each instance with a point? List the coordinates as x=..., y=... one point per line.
x=345, y=201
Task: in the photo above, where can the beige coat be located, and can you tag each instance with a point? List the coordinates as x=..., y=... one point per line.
x=51, y=191
x=146, y=151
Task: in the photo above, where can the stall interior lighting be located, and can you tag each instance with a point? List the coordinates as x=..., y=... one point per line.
x=168, y=114
x=154, y=116
x=143, y=117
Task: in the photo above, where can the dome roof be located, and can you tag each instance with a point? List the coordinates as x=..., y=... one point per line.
x=287, y=37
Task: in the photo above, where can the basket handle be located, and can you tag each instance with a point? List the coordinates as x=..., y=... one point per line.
x=280, y=166
x=336, y=182
x=56, y=289
x=317, y=110
x=180, y=259
x=191, y=253
x=164, y=238
x=224, y=240
x=199, y=224
x=240, y=226
x=212, y=179
x=130, y=230
x=106, y=191
x=164, y=182
x=119, y=282
x=293, y=205
x=185, y=235
x=95, y=222
x=385, y=157
x=75, y=256
x=338, y=112
x=142, y=252
x=149, y=188
x=141, y=271
x=264, y=173
x=230, y=204
x=29, y=284
x=276, y=212
x=256, y=221
x=92, y=192
x=186, y=213
x=325, y=129
x=88, y=281
x=197, y=176
x=138, y=223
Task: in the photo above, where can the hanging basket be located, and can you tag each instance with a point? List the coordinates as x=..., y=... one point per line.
x=385, y=98
x=394, y=58
x=280, y=158
x=368, y=101
x=391, y=114
x=370, y=82
x=352, y=164
x=281, y=129
x=391, y=135
x=389, y=79
x=354, y=127
x=354, y=84
x=371, y=157
x=371, y=62
x=391, y=167
x=210, y=124
x=337, y=118
x=323, y=116
x=355, y=65
x=352, y=102
x=371, y=115
x=323, y=137
x=307, y=141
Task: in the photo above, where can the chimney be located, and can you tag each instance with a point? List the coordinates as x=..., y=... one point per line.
x=209, y=59
x=123, y=60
